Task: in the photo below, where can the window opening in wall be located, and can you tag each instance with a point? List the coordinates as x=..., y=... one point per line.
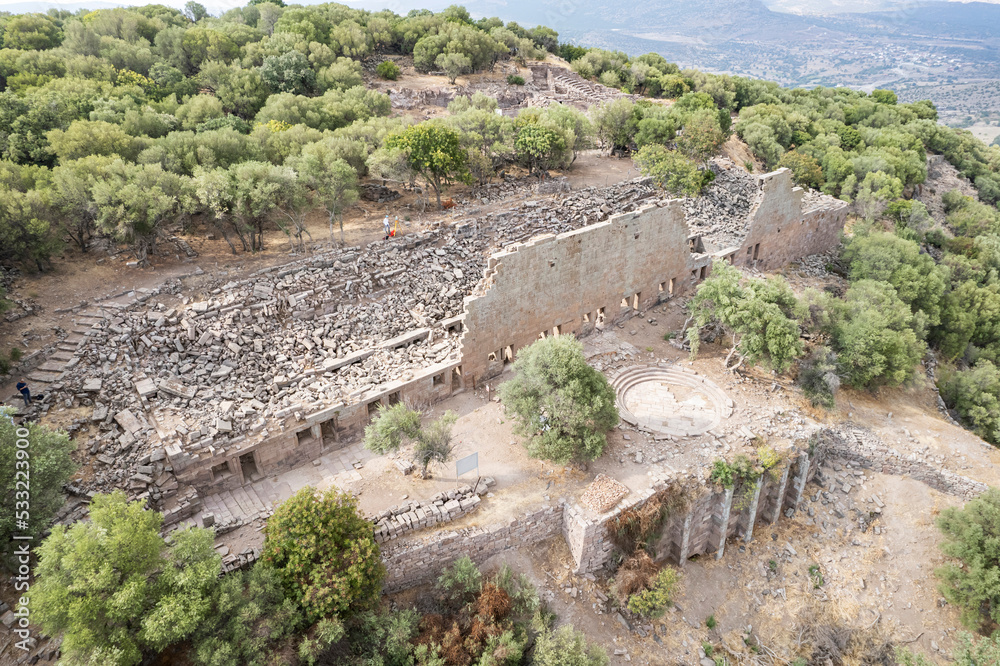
x=624, y=304
x=556, y=331
x=756, y=251
x=704, y=272
x=508, y=354
x=636, y=299
x=586, y=317
x=670, y=287
x=438, y=379
x=662, y=287
x=331, y=431
x=541, y=336
x=749, y=251
x=456, y=378
x=600, y=316
x=395, y=398
x=249, y=467
x=220, y=471
x=492, y=357
x=373, y=408
x=303, y=436
x=732, y=258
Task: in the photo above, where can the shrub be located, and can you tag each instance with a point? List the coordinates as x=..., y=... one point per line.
x=388, y=70
x=972, y=536
x=564, y=406
x=975, y=394
x=15, y=354
x=51, y=467
x=565, y=647
x=325, y=552
x=633, y=576
x=515, y=80
x=461, y=582
x=433, y=443
x=655, y=600
x=819, y=379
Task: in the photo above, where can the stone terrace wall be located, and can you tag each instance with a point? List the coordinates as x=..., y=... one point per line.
x=572, y=282
x=853, y=443
x=415, y=562
x=710, y=517
x=784, y=226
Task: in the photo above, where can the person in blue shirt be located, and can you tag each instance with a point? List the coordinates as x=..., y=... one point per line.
x=22, y=388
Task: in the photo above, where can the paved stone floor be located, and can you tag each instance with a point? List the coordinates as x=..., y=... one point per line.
x=656, y=404
x=333, y=469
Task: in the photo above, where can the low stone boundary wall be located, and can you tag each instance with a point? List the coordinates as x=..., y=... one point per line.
x=416, y=562
x=854, y=443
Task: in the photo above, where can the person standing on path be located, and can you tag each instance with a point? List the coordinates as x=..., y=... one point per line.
x=385, y=225
x=22, y=388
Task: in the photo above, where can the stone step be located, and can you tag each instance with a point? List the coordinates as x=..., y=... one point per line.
x=53, y=365
x=61, y=355
x=44, y=376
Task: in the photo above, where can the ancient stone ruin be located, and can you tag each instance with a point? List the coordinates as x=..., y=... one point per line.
x=270, y=372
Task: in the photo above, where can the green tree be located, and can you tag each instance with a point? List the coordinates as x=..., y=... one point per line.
x=918, y=280
x=759, y=315
x=453, y=65
x=873, y=336
x=289, y=73
x=258, y=190
x=333, y=180
x=615, y=124
x=325, y=553
x=562, y=405
x=85, y=138
x=975, y=394
x=248, y=620
x=884, y=96
x=701, y=136
x=31, y=32
x=114, y=588
x=972, y=537
x=433, y=443
x=567, y=647
x=133, y=201
x=195, y=11
x=434, y=151
x=540, y=148
x=669, y=169
x=46, y=455
x=804, y=167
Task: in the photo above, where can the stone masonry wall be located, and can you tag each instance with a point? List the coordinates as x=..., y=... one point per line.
x=576, y=281
x=785, y=225
x=418, y=561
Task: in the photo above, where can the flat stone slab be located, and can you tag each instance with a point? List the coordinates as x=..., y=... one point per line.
x=145, y=387
x=405, y=338
x=93, y=385
x=128, y=421
x=337, y=363
x=178, y=388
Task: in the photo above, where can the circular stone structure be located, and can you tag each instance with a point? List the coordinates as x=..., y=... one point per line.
x=672, y=401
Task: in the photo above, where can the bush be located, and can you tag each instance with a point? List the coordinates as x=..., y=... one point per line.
x=564, y=406
x=655, y=600
x=388, y=70
x=819, y=379
x=385, y=433
x=567, y=647
x=325, y=552
x=249, y=616
x=975, y=395
x=972, y=536
x=633, y=576
x=51, y=467
x=515, y=80
x=461, y=582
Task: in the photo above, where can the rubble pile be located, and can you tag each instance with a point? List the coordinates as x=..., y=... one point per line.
x=603, y=493
x=442, y=507
x=721, y=213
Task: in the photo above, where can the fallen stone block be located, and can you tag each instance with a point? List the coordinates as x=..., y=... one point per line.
x=145, y=387
x=128, y=421
x=93, y=385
